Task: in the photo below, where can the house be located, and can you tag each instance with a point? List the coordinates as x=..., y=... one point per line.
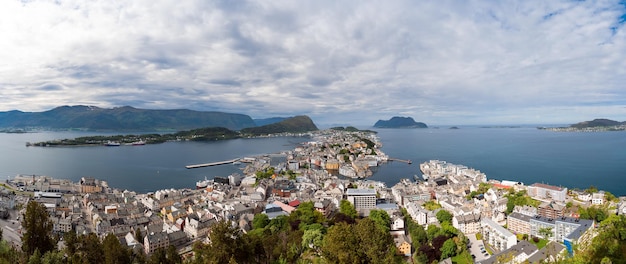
x=552, y=252
x=597, y=198
x=402, y=244
x=467, y=224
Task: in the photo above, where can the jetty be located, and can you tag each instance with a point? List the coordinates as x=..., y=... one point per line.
x=211, y=164
x=400, y=160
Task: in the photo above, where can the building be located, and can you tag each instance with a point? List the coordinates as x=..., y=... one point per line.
x=544, y=191
x=551, y=210
x=468, y=224
x=559, y=228
x=154, y=241
x=597, y=198
x=363, y=200
x=403, y=245
x=419, y=214
x=518, y=223
x=518, y=253
x=496, y=235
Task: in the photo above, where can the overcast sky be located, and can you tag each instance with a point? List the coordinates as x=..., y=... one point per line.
x=340, y=62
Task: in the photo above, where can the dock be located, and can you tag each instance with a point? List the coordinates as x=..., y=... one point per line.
x=211, y=164
x=400, y=160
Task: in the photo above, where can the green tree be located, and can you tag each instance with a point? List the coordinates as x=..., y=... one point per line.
x=113, y=250
x=53, y=257
x=37, y=229
x=312, y=238
x=444, y=216
x=545, y=232
x=448, y=249
x=91, y=249
x=381, y=218
x=346, y=207
x=172, y=255
x=374, y=242
x=341, y=245
x=71, y=241
x=610, y=241
x=139, y=235
x=260, y=221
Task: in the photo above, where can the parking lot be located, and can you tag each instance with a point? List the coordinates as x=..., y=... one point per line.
x=477, y=248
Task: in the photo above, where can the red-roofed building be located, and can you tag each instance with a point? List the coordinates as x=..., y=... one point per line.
x=294, y=203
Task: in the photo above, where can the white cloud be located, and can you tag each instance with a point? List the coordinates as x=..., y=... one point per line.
x=441, y=62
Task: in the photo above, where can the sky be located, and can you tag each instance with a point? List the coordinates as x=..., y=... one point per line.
x=339, y=62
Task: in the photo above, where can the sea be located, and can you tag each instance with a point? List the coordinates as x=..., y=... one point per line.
x=522, y=154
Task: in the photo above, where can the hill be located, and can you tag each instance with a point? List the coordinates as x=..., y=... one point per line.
x=267, y=121
x=598, y=123
x=122, y=119
x=296, y=124
x=399, y=122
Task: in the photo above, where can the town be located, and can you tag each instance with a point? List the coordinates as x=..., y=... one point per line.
x=502, y=220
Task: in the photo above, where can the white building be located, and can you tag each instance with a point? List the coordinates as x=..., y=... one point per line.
x=496, y=235
x=544, y=191
x=363, y=200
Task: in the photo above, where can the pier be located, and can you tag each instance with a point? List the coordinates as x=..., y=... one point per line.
x=400, y=160
x=211, y=164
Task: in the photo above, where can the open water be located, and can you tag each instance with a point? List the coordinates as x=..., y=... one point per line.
x=528, y=155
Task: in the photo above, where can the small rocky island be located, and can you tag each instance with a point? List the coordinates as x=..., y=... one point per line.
x=399, y=122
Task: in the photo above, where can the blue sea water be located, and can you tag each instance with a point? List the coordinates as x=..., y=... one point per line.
x=526, y=154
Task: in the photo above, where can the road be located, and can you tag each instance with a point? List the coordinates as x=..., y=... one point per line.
x=10, y=230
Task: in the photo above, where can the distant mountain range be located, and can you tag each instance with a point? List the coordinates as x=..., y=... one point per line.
x=122, y=119
x=598, y=123
x=267, y=121
x=399, y=122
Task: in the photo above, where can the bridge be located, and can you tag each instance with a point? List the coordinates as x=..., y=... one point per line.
x=211, y=164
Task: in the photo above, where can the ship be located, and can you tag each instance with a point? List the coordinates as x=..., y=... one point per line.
x=203, y=183
x=138, y=143
x=112, y=144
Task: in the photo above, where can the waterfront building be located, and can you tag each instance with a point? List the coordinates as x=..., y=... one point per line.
x=518, y=223
x=544, y=191
x=597, y=198
x=496, y=235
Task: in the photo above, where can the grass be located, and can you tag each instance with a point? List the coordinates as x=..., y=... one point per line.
x=463, y=258
x=541, y=244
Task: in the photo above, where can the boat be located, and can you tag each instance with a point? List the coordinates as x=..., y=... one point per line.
x=138, y=143
x=112, y=144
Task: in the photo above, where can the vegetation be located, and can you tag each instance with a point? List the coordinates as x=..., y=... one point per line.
x=291, y=125
x=297, y=124
x=519, y=198
x=609, y=246
x=37, y=229
x=597, y=213
x=432, y=205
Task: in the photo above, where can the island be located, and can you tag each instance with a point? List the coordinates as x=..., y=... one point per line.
x=297, y=124
x=399, y=122
x=596, y=125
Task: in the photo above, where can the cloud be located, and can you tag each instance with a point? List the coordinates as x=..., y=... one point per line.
x=441, y=62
